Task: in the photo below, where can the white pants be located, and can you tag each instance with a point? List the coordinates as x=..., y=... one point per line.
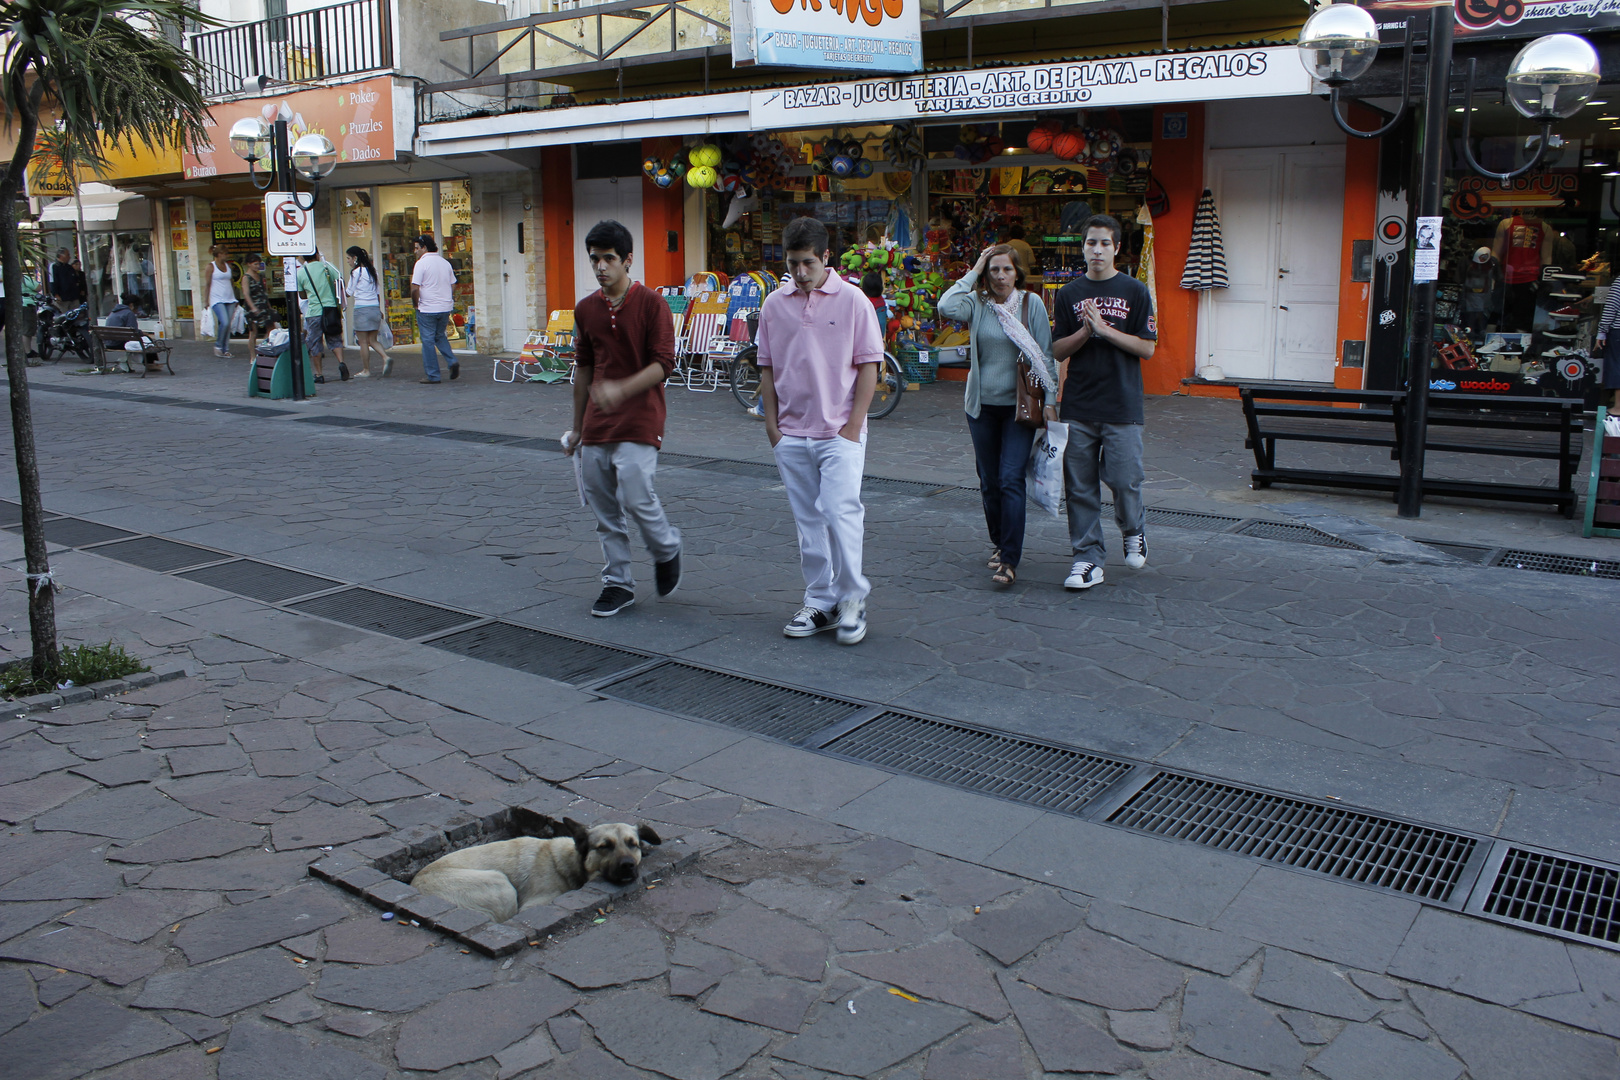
x=619, y=486
x=823, y=481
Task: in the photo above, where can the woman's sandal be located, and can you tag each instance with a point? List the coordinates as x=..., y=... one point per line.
x=1004, y=575
x=995, y=560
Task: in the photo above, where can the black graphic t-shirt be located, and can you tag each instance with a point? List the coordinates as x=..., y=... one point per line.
x=1105, y=382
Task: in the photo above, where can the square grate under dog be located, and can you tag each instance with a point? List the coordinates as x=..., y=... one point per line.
x=261, y=581
x=382, y=613
x=1572, y=897
x=551, y=656
x=763, y=708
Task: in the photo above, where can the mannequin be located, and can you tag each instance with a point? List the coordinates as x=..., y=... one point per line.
x=1523, y=245
x=1481, y=280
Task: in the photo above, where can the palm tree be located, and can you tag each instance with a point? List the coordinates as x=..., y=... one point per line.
x=106, y=69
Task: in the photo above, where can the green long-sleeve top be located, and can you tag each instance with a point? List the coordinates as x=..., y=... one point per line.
x=992, y=356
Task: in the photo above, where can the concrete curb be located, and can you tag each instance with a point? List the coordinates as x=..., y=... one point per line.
x=104, y=689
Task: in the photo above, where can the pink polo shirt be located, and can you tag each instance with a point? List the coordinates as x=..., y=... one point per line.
x=813, y=345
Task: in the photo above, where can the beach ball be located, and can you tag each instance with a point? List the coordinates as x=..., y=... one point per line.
x=663, y=178
x=650, y=166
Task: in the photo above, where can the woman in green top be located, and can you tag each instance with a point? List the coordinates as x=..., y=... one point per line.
x=1006, y=324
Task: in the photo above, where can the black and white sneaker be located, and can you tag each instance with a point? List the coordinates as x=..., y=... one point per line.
x=808, y=622
x=667, y=574
x=1083, y=575
x=613, y=600
x=1136, y=551
x=851, y=622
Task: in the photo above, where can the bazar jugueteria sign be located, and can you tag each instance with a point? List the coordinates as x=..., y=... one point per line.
x=1083, y=84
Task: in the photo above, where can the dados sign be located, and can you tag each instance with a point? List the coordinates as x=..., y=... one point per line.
x=854, y=35
x=358, y=118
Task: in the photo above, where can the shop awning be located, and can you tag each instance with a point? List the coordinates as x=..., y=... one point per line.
x=103, y=206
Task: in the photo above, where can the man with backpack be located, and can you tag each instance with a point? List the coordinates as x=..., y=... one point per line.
x=322, y=288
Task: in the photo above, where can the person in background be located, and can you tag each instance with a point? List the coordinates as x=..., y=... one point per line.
x=64, y=283
x=1006, y=324
x=872, y=286
x=261, y=317
x=124, y=317
x=1025, y=253
x=624, y=349
x=1608, y=350
x=322, y=287
x=433, y=282
x=367, y=311
x=221, y=299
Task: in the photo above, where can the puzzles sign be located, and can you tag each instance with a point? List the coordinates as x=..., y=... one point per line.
x=1147, y=80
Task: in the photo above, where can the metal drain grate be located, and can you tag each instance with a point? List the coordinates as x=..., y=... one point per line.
x=337, y=421
x=740, y=468
x=1559, y=894
x=538, y=653
x=543, y=444
x=258, y=580
x=1295, y=534
x=684, y=460
x=491, y=437
x=408, y=429
x=779, y=712
x=10, y=514
x=1467, y=552
x=1190, y=519
x=75, y=532
x=155, y=553
x=255, y=410
x=385, y=614
x=965, y=495
x=1412, y=859
x=1573, y=565
x=991, y=763
x=207, y=406
x=898, y=487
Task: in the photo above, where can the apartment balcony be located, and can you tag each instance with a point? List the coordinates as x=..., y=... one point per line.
x=307, y=46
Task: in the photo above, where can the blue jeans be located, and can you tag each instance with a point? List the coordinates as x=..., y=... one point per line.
x=431, y=325
x=223, y=314
x=1001, y=447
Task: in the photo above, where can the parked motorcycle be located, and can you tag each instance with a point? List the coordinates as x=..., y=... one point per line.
x=63, y=332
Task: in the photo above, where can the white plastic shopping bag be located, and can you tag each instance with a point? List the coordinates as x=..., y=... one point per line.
x=1043, y=478
x=205, y=323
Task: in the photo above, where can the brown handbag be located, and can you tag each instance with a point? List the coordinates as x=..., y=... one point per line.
x=1031, y=408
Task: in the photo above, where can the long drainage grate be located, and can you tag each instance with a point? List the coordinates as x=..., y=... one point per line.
x=1574, y=565
x=261, y=581
x=1412, y=859
x=1296, y=534
x=1190, y=519
x=1473, y=553
x=988, y=762
x=409, y=429
x=539, y=653
x=75, y=532
x=1558, y=894
x=898, y=487
x=492, y=438
x=739, y=468
x=155, y=553
x=255, y=410
x=10, y=513
x=762, y=708
x=338, y=421
x=392, y=615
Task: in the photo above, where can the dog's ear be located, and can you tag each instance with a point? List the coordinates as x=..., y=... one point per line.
x=581, y=835
x=648, y=836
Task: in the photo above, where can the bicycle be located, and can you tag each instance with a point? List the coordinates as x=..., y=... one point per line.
x=890, y=385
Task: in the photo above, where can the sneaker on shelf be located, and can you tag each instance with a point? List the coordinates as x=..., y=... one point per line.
x=1562, y=335
x=1567, y=277
x=1136, y=551
x=1568, y=311
x=808, y=622
x=1566, y=296
x=614, y=599
x=851, y=621
x=1494, y=343
x=1083, y=575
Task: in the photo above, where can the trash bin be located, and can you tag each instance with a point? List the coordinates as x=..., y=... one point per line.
x=271, y=373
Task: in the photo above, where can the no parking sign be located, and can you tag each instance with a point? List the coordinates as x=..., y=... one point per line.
x=289, y=229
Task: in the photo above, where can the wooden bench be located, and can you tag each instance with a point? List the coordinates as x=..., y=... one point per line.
x=1540, y=429
x=112, y=339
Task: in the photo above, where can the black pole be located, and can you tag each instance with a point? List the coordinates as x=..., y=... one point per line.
x=295, y=320
x=1421, y=353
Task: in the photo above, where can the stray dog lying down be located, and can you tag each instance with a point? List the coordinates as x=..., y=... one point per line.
x=503, y=878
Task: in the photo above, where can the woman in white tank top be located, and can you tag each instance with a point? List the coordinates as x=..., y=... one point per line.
x=221, y=300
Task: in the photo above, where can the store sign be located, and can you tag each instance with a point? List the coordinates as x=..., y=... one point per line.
x=843, y=35
x=1481, y=19
x=47, y=179
x=1089, y=84
x=357, y=117
x=1477, y=197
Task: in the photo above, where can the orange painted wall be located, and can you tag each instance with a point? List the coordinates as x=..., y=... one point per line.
x=661, y=214
x=557, y=219
x=1178, y=165
x=1360, y=214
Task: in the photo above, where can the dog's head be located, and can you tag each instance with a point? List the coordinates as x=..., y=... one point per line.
x=611, y=852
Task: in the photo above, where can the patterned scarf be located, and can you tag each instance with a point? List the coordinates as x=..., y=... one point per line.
x=1012, y=324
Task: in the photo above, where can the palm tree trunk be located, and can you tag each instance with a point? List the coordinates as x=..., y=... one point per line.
x=41, y=592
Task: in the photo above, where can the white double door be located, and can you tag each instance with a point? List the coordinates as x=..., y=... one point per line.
x=1282, y=224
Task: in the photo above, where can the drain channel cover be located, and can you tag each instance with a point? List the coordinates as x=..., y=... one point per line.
x=1468, y=552
x=493, y=438
x=739, y=468
x=10, y=513
x=74, y=532
x=155, y=553
x=258, y=580
x=338, y=421
x=1411, y=859
x=1190, y=519
x=1296, y=534
x=1559, y=894
x=392, y=615
x=1027, y=771
x=1574, y=565
x=778, y=712
x=408, y=429
x=538, y=653
x=898, y=487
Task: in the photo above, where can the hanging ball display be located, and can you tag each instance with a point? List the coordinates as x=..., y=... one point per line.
x=1039, y=141
x=701, y=176
x=706, y=155
x=1127, y=162
x=864, y=168
x=677, y=166
x=843, y=165
x=1069, y=145
x=854, y=149
x=663, y=178
x=650, y=166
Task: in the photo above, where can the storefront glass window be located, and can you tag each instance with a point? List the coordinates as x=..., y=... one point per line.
x=455, y=218
x=406, y=212
x=180, y=259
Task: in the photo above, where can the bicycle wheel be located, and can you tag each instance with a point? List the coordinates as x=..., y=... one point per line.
x=890, y=385
x=745, y=378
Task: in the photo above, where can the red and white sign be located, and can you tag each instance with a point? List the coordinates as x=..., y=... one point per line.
x=289, y=229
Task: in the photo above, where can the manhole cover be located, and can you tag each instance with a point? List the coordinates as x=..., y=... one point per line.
x=385, y=614
x=261, y=581
x=538, y=653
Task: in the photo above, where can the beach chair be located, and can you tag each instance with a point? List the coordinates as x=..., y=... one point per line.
x=696, y=366
x=547, y=356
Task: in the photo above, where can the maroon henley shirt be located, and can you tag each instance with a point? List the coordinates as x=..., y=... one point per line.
x=618, y=343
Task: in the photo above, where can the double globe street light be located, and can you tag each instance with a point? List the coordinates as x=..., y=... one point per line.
x=1549, y=80
x=312, y=157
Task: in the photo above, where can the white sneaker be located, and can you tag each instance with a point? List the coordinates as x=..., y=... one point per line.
x=851, y=621
x=1083, y=575
x=1136, y=551
x=1496, y=343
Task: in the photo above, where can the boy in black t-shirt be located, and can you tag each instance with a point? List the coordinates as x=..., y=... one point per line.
x=1103, y=330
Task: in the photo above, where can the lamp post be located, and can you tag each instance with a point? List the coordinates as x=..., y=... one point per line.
x=1550, y=79
x=312, y=157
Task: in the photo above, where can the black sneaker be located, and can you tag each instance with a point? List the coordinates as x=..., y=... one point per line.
x=320, y=378
x=613, y=600
x=455, y=372
x=343, y=372
x=809, y=621
x=668, y=574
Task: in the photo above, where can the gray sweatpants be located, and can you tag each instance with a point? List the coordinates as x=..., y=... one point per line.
x=1113, y=453
x=619, y=486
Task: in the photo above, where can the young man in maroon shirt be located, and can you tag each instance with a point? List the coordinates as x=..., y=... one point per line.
x=624, y=346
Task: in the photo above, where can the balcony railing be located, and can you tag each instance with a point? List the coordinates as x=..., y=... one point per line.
x=345, y=39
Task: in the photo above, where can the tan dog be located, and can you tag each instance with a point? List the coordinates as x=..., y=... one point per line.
x=503, y=878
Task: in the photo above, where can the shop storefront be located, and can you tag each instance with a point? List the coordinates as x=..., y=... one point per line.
x=386, y=220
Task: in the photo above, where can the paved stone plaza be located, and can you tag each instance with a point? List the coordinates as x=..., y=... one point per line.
x=157, y=921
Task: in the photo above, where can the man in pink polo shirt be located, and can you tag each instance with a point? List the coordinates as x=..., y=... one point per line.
x=819, y=351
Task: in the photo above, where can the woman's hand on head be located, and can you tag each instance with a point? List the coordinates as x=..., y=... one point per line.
x=984, y=260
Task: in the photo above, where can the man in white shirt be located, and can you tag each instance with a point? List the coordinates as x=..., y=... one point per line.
x=432, y=283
